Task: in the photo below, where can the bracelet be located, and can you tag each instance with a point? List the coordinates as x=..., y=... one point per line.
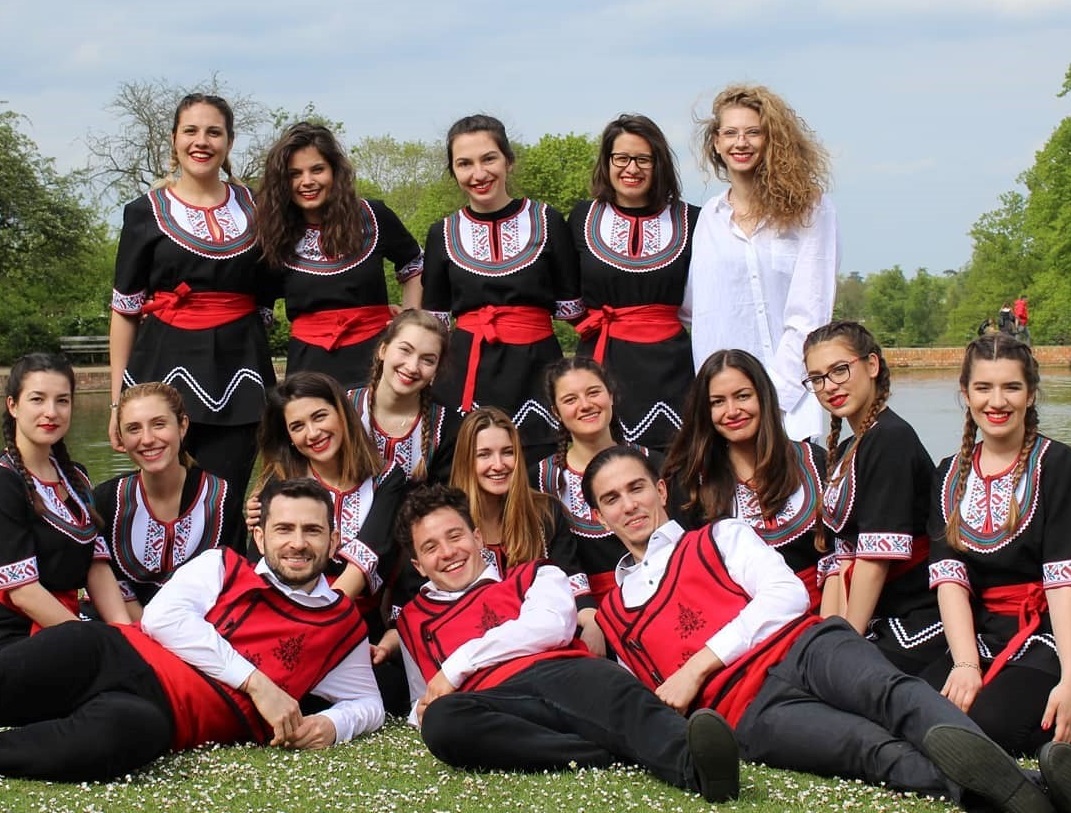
x=965, y=665
x=113, y=405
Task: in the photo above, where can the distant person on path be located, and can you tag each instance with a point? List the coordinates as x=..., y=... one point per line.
x=500, y=682
x=1022, y=316
x=764, y=260
x=225, y=653
x=1006, y=319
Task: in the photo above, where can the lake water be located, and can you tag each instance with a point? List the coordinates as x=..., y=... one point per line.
x=927, y=399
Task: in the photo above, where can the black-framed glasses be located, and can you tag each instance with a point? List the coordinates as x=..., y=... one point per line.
x=837, y=374
x=623, y=159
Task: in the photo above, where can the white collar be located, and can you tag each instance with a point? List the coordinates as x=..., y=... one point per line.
x=665, y=536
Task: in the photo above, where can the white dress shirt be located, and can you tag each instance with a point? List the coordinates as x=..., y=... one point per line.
x=175, y=618
x=764, y=294
x=777, y=595
x=547, y=620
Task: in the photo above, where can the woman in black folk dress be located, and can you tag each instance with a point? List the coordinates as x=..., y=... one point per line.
x=50, y=542
x=396, y=408
x=634, y=241
x=732, y=457
x=169, y=510
x=327, y=246
x=876, y=502
x=187, y=288
x=504, y=268
x=1001, y=556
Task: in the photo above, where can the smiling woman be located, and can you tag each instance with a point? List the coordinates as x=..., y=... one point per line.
x=504, y=267
x=328, y=246
x=167, y=511
x=187, y=288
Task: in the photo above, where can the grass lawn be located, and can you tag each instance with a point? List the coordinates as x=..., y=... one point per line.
x=392, y=771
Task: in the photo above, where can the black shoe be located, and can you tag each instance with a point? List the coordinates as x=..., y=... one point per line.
x=715, y=756
x=974, y=761
x=1055, y=761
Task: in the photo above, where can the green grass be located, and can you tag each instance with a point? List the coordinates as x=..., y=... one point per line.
x=392, y=771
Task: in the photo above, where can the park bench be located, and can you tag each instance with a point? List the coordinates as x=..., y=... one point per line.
x=85, y=349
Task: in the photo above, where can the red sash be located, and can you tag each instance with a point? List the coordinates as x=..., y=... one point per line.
x=505, y=324
x=601, y=584
x=331, y=329
x=68, y=598
x=809, y=577
x=196, y=310
x=644, y=324
x=1028, y=602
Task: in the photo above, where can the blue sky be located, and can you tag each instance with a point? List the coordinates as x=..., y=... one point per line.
x=930, y=110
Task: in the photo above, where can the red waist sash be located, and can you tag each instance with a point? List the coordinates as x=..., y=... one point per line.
x=644, y=324
x=601, y=583
x=196, y=310
x=500, y=324
x=1027, y=601
x=809, y=577
x=341, y=327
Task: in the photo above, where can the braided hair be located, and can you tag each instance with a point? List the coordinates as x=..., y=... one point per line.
x=422, y=319
x=993, y=347
x=43, y=363
x=861, y=342
x=553, y=374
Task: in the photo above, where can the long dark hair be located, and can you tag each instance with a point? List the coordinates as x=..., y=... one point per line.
x=665, y=180
x=281, y=224
x=43, y=363
x=282, y=461
x=992, y=347
x=699, y=456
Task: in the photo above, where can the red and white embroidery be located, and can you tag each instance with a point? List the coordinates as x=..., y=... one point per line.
x=1056, y=574
x=951, y=571
x=883, y=545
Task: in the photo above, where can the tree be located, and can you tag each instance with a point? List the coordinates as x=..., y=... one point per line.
x=126, y=163
x=924, y=313
x=557, y=169
x=886, y=298
x=851, y=297
x=55, y=258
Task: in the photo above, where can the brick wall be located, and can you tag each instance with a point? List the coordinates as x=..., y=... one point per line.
x=952, y=357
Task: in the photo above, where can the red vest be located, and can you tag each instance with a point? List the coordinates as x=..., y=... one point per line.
x=432, y=630
x=295, y=646
x=695, y=599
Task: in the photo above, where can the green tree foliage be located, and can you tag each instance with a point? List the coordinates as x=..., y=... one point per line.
x=924, y=312
x=55, y=258
x=851, y=297
x=557, y=169
x=1002, y=264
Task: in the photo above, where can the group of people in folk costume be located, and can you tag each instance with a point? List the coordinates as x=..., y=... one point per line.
x=455, y=523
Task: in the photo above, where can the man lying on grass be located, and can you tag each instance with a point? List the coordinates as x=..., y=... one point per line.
x=499, y=680
x=715, y=619
x=224, y=654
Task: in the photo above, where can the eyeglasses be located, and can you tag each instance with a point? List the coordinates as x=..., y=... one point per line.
x=623, y=159
x=732, y=134
x=836, y=375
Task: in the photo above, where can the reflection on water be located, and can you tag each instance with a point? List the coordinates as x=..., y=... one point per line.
x=927, y=399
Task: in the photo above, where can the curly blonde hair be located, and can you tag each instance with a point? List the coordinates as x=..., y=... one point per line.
x=794, y=171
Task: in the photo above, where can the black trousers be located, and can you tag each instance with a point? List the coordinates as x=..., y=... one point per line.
x=1010, y=707
x=83, y=704
x=225, y=451
x=561, y=713
x=836, y=707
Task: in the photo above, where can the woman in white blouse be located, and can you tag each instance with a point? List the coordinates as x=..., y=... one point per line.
x=765, y=253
